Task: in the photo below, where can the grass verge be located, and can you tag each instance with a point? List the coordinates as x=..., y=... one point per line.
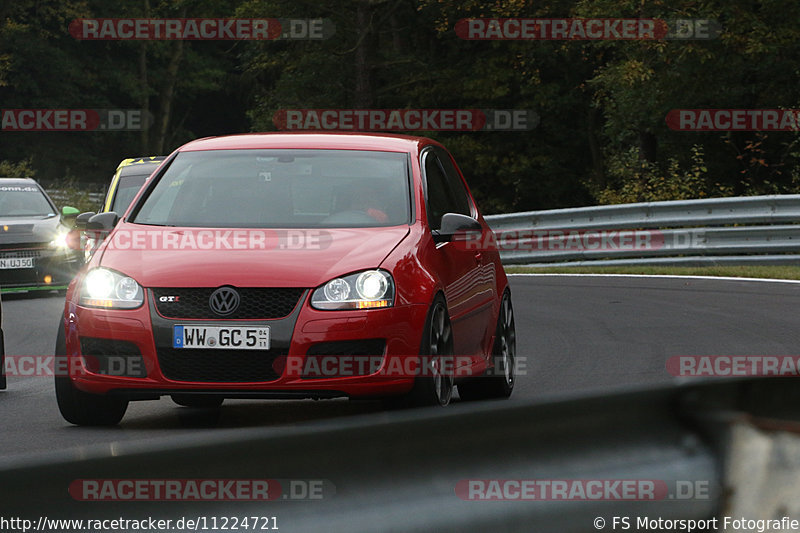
x=775, y=272
x=13, y=290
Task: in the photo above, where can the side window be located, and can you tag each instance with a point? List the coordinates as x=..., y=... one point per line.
x=436, y=200
x=459, y=198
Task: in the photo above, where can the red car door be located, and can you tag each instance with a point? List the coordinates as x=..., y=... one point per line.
x=468, y=290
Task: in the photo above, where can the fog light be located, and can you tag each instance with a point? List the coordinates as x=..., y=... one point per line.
x=48, y=279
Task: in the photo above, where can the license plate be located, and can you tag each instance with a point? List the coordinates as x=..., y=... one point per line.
x=221, y=337
x=16, y=262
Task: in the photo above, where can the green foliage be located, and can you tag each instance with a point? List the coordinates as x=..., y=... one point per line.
x=636, y=180
x=16, y=169
x=602, y=136
x=66, y=191
x=74, y=194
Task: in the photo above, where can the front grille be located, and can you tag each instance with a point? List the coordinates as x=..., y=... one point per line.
x=220, y=366
x=17, y=254
x=344, y=358
x=255, y=303
x=112, y=357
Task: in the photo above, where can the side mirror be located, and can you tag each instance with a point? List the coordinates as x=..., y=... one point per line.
x=82, y=219
x=453, y=223
x=69, y=212
x=103, y=221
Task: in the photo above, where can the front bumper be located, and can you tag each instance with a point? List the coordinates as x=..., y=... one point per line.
x=51, y=267
x=281, y=372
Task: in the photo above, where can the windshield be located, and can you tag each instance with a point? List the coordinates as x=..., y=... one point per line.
x=280, y=188
x=126, y=190
x=24, y=201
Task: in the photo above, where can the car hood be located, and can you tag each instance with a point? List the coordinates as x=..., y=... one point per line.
x=290, y=258
x=34, y=230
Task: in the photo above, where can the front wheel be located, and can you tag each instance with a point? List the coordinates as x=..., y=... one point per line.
x=434, y=386
x=82, y=408
x=498, y=382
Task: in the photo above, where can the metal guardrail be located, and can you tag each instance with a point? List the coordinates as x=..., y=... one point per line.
x=771, y=209
x=676, y=232
x=59, y=196
x=400, y=472
x=683, y=232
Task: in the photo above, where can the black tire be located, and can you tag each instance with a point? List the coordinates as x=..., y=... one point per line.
x=199, y=401
x=498, y=382
x=3, y=383
x=81, y=408
x=434, y=385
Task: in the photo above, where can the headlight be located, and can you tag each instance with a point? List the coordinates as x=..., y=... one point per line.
x=102, y=287
x=364, y=290
x=60, y=240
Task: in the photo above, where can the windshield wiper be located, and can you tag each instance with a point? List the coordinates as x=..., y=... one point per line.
x=154, y=224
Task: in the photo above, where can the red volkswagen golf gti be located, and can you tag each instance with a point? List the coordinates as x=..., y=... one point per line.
x=289, y=266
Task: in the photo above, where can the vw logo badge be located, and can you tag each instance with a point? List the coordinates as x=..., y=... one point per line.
x=224, y=301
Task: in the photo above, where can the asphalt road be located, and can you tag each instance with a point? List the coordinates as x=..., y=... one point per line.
x=578, y=335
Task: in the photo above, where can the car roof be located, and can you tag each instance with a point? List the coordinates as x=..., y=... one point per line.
x=19, y=181
x=141, y=160
x=310, y=141
x=139, y=169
